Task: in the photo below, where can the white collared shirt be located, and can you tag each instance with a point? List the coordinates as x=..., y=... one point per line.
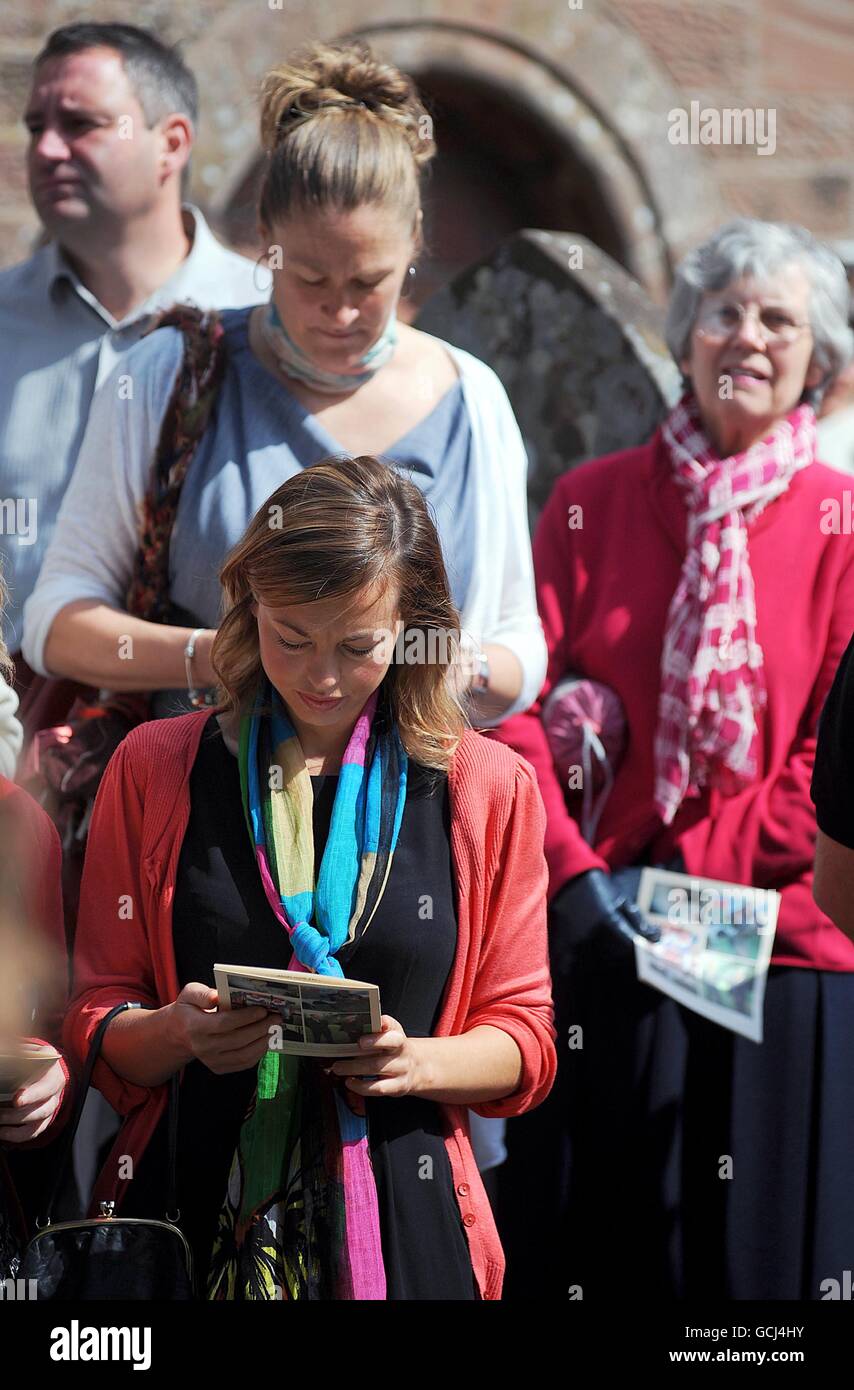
x=57, y=345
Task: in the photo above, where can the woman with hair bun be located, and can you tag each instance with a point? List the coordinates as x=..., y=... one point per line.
x=324, y=368
x=352, y=1180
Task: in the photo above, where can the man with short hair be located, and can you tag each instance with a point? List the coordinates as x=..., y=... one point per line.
x=111, y=116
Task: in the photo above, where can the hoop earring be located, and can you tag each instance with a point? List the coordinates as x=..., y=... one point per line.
x=408, y=282
x=261, y=289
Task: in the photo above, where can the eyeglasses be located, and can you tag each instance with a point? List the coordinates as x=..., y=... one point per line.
x=723, y=320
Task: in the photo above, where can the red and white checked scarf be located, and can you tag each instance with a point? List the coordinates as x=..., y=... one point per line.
x=712, y=681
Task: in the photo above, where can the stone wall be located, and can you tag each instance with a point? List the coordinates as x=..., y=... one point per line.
x=794, y=56
x=603, y=74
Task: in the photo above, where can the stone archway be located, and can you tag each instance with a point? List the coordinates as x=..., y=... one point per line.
x=507, y=115
x=522, y=140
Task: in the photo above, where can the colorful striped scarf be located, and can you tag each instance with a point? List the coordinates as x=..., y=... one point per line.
x=300, y=1216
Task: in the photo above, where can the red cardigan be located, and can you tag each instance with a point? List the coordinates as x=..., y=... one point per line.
x=603, y=592
x=500, y=974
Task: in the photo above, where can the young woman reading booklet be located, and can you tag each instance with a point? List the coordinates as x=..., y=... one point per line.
x=333, y=813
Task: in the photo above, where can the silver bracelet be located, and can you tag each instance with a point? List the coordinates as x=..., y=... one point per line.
x=197, y=696
x=480, y=681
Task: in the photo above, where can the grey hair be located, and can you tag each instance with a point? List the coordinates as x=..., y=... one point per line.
x=747, y=246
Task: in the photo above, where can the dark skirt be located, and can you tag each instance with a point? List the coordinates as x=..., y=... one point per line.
x=677, y=1159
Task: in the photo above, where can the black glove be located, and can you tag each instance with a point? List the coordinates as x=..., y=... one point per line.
x=590, y=908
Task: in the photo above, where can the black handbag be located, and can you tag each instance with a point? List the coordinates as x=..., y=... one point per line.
x=107, y=1256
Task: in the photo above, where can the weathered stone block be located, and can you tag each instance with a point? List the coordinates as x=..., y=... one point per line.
x=576, y=342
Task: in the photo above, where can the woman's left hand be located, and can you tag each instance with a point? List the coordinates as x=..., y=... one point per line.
x=32, y=1108
x=387, y=1065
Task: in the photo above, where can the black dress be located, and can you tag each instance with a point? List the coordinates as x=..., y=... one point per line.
x=677, y=1158
x=221, y=914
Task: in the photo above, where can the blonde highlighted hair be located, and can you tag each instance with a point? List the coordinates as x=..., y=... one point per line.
x=338, y=528
x=342, y=128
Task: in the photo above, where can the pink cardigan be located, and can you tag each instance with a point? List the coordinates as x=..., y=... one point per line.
x=500, y=974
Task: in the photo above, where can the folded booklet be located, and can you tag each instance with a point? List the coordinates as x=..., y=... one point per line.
x=715, y=946
x=319, y=1015
x=22, y=1063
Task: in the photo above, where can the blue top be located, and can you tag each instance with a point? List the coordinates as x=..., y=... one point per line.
x=260, y=436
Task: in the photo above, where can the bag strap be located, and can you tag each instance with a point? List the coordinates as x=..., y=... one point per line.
x=65, y=1154
x=193, y=398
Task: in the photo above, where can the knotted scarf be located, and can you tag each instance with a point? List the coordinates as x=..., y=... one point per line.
x=300, y=1218
x=294, y=362
x=712, y=679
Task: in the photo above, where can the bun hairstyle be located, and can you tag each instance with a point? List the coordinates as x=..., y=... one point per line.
x=342, y=128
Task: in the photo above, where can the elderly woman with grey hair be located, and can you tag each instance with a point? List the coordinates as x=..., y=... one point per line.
x=700, y=579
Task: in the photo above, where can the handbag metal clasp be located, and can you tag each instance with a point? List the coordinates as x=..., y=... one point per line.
x=107, y=1208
